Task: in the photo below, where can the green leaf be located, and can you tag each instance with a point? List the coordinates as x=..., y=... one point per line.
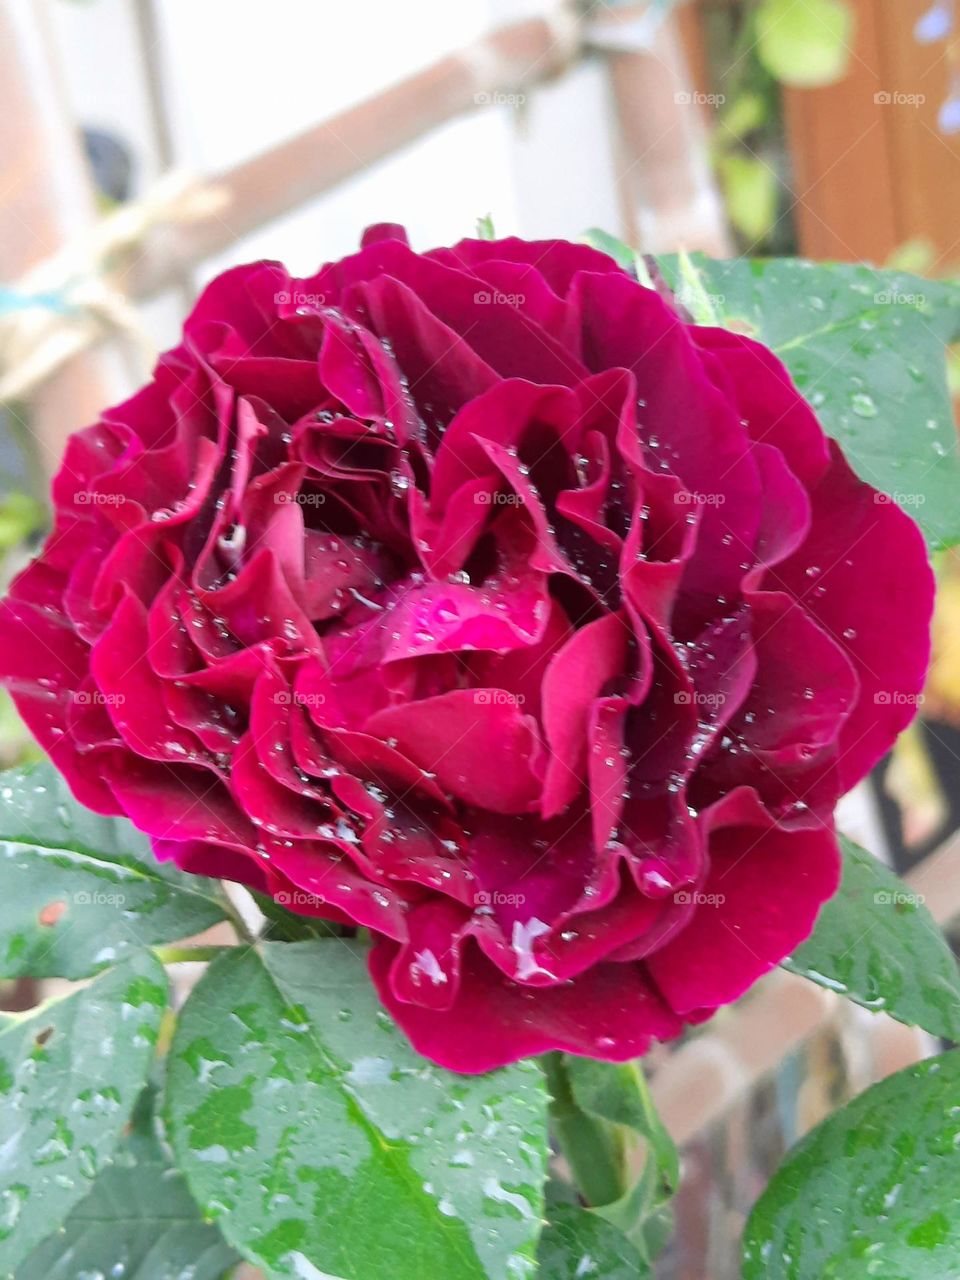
x=631, y=261
x=876, y=943
x=599, y=1111
x=750, y=191
x=80, y=891
x=139, y=1222
x=594, y=1149
x=867, y=349
x=804, y=42
x=602, y=240
x=20, y=515
x=577, y=1245
x=747, y=112
x=287, y=926
x=305, y=1122
x=70, y=1073
x=692, y=294
x=617, y=1091
x=874, y=1191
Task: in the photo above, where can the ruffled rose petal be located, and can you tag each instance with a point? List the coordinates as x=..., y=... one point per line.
x=573, y=681
x=758, y=902
x=863, y=574
x=612, y=1011
x=447, y=735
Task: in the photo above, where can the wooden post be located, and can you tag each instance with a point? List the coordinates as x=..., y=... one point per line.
x=871, y=169
x=273, y=183
x=47, y=196
x=668, y=196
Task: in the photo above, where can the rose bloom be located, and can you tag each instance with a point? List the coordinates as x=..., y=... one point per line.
x=476, y=599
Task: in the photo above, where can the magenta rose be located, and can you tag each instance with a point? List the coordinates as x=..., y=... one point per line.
x=475, y=598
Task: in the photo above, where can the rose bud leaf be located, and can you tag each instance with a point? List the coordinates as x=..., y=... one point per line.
x=618, y=1092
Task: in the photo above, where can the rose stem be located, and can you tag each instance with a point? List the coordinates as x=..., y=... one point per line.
x=594, y=1148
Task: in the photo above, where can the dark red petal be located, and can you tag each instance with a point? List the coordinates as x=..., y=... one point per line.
x=759, y=901
x=863, y=574
x=610, y=1012
x=133, y=693
x=767, y=398
x=326, y=878
x=684, y=419
x=205, y=858
x=384, y=231
x=449, y=734
x=573, y=681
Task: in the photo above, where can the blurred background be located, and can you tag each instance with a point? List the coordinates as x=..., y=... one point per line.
x=147, y=144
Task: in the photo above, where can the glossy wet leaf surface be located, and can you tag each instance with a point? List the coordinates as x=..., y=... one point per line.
x=877, y=944
x=867, y=349
x=616, y=1095
x=282, y=925
x=617, y=1092
x=81, y=891
x=577, y=1245
x=139, y=1222
x=325, y=1145
x=873, y=1192
x=70, y=1073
